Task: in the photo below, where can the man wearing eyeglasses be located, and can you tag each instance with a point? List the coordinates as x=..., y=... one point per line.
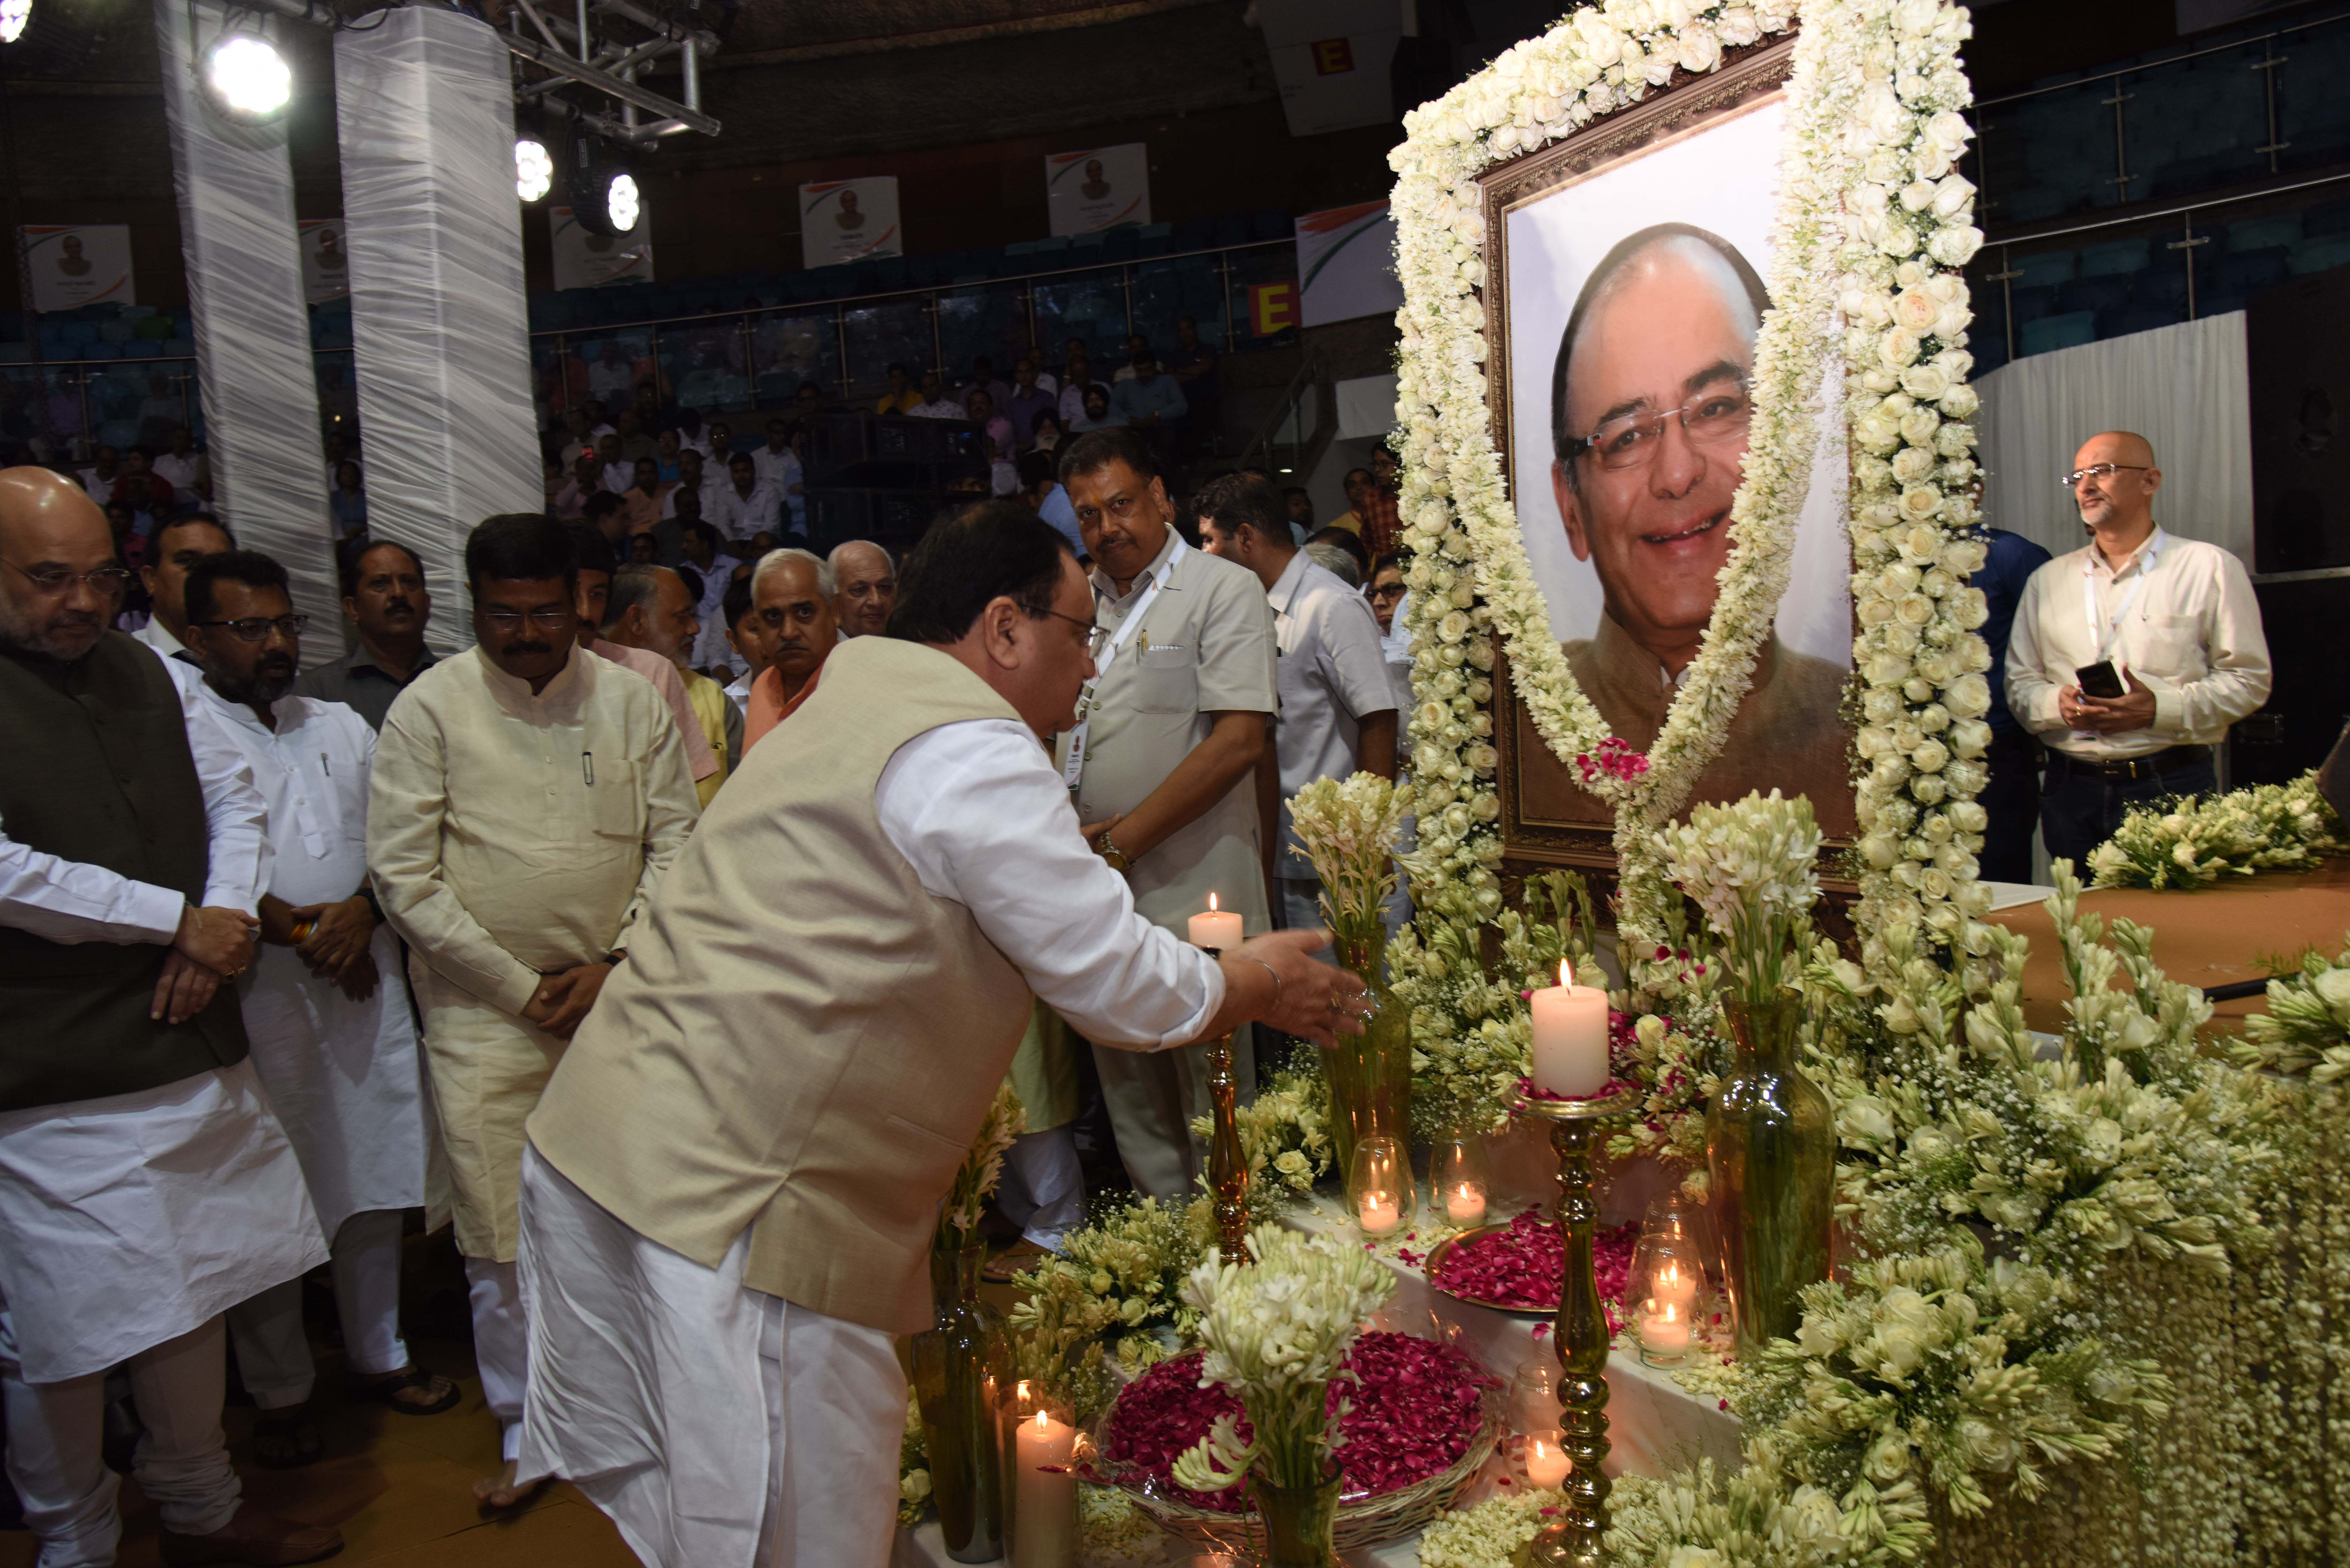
x=526, y=800
x=1650, y=405
x=333, y=1040
x=145, y=1185
x=2168, y=628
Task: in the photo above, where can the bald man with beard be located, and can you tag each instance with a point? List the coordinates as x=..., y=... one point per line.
x=145, y=1186
x=1650, y=405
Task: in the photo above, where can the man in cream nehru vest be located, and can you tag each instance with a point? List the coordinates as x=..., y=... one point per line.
x=733, y=1176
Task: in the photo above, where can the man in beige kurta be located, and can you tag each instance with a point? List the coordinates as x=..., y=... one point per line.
x=527, y=798
x=1161, y=764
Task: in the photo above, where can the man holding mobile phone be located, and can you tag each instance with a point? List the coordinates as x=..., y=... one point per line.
x=2131, y=656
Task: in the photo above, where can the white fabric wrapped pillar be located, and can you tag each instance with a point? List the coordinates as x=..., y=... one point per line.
x=253, y=333
x=425, y=116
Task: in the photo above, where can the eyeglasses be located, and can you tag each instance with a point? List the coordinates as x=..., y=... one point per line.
x=551, y=618
x=1097, y=636
x=52, y=581
x=2102, y=471
x=256, y=628
x=1631, y=440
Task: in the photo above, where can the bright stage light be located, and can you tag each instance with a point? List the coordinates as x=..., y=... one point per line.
x=14, y=14
x=248, y=78
x=621, y=203
x=533, y=169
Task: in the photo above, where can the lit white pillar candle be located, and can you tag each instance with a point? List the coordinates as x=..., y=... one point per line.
x=1672, y=1285
x=1664, y=1327
x=1215, y=928
x=1570, y=1028
x=1379, y=1213
x=1043, y=1503
x=1546, y=1463
x=1464, y=1204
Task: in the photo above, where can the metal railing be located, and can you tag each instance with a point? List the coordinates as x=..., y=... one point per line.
x=845, y=346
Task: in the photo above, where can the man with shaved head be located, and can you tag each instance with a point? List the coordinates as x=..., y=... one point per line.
x=2167, y=628
x=1650, y=403
x=145, y=1186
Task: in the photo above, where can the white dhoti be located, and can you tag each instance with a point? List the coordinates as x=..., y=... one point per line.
x=718, y=1427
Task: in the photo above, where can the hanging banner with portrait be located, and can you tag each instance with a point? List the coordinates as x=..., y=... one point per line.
x=850, y=220
x=584, y=259
x=1098, y=188
x=326, y=266
x=1629, y=298
x=1346, y=264
x=63, y=267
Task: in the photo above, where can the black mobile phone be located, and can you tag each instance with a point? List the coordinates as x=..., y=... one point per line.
x=2100, y=681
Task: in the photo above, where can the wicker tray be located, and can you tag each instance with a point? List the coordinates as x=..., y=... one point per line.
x=1362, y=1521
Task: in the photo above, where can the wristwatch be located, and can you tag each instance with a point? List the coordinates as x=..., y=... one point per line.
x=1117, y=860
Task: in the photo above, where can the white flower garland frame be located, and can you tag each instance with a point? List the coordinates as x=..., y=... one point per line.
x=1872, y=227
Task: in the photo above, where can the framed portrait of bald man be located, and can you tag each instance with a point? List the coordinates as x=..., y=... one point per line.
x=1622, y=319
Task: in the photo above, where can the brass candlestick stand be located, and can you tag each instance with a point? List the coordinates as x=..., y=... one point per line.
x=1579, y=1334
x=1228, y=1173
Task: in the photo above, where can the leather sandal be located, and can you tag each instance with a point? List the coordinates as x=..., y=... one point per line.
x=386, y=1388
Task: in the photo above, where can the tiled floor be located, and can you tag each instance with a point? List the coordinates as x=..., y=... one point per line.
x=400, y=1488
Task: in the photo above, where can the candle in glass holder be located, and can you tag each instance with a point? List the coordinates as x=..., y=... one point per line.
x=1215, y=928
x=1464, y=1204
x=1570, y=1029
x=1379, y=1213
x=1045, y=1502
x=1671, y=1287
x=1546, y=1464
x=1664, y=1327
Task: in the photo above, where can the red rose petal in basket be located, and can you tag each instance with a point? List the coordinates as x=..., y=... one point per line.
x=1519, y=1267
x=1413, y=1413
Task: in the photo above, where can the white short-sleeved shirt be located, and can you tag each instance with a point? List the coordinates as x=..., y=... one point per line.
x=1333, y=671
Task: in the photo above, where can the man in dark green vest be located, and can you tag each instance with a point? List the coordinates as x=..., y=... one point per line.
x=145, y=1187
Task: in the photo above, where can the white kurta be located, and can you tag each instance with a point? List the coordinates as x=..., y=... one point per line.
x=345, y=1077
x=699, y=1413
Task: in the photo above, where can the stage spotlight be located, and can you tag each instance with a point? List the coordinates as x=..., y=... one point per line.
x=604, y=195
x=14, y=14
x=534, y=168
x=248, y=78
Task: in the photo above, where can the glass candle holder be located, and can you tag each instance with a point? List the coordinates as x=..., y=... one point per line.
x=1545, y=1459
x=1533, y=1395
x=1379, y=1194
x=1666, y=1287
x=1457, y=1182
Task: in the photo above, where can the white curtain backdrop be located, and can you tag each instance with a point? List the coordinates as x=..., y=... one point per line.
x=253, y=335
x=2183, y=387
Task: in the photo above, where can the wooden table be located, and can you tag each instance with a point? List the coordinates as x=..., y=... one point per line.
x=2211, y=935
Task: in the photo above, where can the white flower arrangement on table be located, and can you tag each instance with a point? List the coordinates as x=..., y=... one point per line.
x=982, y=1166
x=1750, y=867
x=1348, y=827
x=1872, y=221
x=1277, y=1333
x=2198, y=840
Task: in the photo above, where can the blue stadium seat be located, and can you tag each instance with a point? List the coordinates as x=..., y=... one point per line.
x=2331, y=218
x=2045, y=268
x=2244, y=272
x=2066, y=331
x=2264, y=233
x=2033, y=304
x=2104, y=292
x=2319, y=253
x=2118, y=256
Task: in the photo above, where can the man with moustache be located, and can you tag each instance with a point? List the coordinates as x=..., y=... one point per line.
x=792, y=593
x=325, y=1009
x=593, y=566
x=1650, y=404
x=525, y=799
x=172, y=549
x=866, y=586
x=145, y=1186
x=1160, y=762
x=385, y=597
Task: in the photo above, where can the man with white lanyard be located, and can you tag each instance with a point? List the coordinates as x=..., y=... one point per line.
x=2174, y=626
x=1160, y=762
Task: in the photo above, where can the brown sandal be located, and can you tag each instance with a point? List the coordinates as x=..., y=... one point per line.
x=385, y=1390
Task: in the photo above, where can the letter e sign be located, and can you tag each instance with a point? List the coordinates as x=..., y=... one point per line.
x=1333, y=58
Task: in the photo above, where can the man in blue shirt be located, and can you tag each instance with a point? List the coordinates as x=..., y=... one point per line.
x=2013, y=796
x=1041, y=489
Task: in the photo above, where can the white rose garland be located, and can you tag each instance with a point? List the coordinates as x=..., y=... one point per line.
x=1872, y=220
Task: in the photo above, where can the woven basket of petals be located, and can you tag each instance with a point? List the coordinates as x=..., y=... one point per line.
x=1424, y=1417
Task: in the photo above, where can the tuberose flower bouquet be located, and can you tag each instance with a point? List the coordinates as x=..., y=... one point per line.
x=1749, y=865
x=1348, y=827
x=981, y=1168
x=2192, y=842
x=2306, y=1029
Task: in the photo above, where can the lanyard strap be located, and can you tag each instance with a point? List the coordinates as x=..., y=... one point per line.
x=1073, y=769
x=2103, y=633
